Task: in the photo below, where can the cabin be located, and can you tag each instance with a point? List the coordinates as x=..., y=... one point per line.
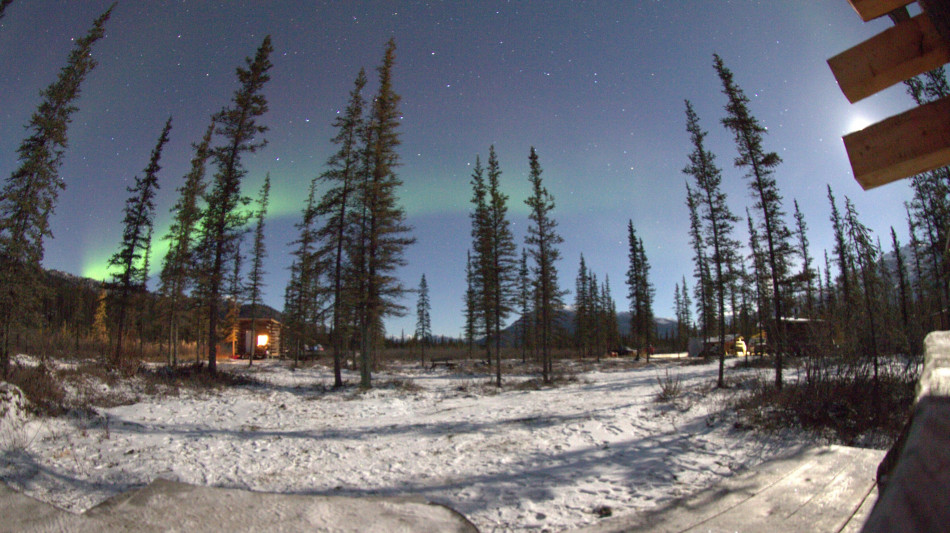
x=699, y=347
x=805, y=336
x=263, y=341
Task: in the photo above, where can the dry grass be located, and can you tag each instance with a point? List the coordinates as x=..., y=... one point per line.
x=193, y=376
x=55, y=388
x=406, y=385
x=846, y=408
x=758, y=361
x=45, y=393
x=670, y=387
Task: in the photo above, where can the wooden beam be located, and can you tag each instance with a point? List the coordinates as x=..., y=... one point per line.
x=872, y=9
x=915, y=141
x=892, y=56
x=939, y=13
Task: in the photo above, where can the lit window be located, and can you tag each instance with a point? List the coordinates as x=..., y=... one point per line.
x=262, y=340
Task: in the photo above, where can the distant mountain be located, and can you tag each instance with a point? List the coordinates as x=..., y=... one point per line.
x=566, y=318
x=71, y=282
x=907, y=254
x=72, y=279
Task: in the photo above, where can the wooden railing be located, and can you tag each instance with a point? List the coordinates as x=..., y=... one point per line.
x=914, y=477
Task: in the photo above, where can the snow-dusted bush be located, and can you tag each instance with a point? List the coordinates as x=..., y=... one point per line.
x=670, y=387
x=13, y=416
x=38, y=384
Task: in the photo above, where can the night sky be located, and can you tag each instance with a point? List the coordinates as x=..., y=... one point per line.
x=596, y=87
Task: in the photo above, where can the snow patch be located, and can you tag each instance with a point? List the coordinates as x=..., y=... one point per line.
x=512, y=460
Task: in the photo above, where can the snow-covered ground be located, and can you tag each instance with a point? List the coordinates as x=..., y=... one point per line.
x=517, y=459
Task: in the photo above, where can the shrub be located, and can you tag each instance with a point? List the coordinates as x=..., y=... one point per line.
x=42, y=389
x=844, y=406
x=193, y=376
x=407, y=385
x=670, y=387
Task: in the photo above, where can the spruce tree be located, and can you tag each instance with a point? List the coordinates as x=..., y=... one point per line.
x=634, y=289
x=916, y=250
x=293, y=315
x=470, y=304
x=647, y=317
x=301, y=293
x=29, y=196
x=176, y=274
x=542, y=241
x=718, y=222
x=807, y=275
x=746, y=288
x=582, y=305
x=502, y=267
x=930, y=209
x=609, y=317
x=235, y=296
x=383, y=219
x=423, y=318
x=223, y=220
x=732, y=287
x=830, y=299
x=678, y=313
x=138, y=221
x=144, y=272
x=481, y=256
x=928, y=296
x=595, y=307
x=930, y=206
x=640, y=292
x=760, y=167
x=236, y=290
x=688, y=319
x=525, y=299
x=147, y=305
x=705, y=314
x=342, y=174
x=909, y=344
x=866, y=256
x=256, y=275
x=681, y=305
x=843, y=257
x=495, y=254
x=760, y=272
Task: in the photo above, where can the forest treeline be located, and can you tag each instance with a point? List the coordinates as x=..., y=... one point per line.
x=868, y=299
x=865, y=301
x=351, y=237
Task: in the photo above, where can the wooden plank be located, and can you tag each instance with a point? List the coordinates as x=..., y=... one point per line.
x=939, y=12
x=912, y=142
x=821, y=495
x=840, y=497
x=894, y=55
x=817, y=489
x=872, y=9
